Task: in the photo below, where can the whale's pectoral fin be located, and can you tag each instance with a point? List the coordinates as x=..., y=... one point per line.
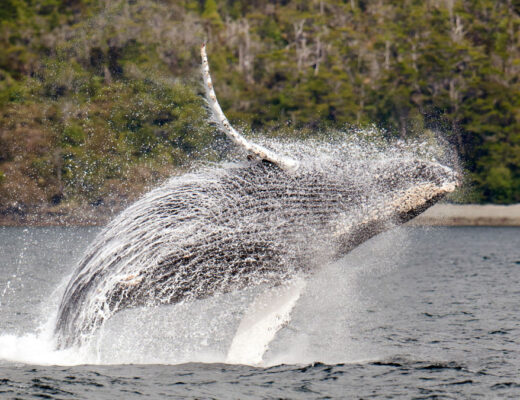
x=218, y=117
x=265, y=316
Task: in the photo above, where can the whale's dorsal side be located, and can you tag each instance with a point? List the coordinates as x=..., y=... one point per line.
x=218, y=117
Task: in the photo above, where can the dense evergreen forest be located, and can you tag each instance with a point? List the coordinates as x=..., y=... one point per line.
x=100, y=99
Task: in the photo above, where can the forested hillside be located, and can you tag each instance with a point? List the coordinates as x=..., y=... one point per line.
x=99, y=99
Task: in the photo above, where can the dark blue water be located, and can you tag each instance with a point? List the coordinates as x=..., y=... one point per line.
x=414, y=313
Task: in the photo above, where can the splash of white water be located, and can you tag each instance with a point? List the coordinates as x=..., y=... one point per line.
x=313, y=326
x=201, y=331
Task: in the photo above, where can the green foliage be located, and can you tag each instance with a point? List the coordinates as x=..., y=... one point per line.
x=8, y=10
x=499, y=181
x=99, y=99
x=211, y=14
x=73, y=135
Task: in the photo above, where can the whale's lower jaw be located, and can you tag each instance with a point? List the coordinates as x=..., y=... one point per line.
x=418, y=199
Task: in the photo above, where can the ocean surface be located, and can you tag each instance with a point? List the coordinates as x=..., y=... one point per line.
x=423, y=313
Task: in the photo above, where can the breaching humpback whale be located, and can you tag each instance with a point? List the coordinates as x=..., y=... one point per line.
x=259, y=220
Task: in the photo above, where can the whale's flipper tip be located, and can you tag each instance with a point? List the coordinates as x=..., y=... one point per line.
x=218, y=117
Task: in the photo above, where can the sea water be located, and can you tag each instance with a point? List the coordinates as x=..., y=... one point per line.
x=412, y=313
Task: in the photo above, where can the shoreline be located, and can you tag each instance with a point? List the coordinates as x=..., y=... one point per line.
x=60, y=216
x=443, y=214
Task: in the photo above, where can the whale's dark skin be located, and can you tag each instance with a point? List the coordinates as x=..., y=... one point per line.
x=228, y=227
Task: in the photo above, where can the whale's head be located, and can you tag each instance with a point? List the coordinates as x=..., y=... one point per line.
x=413, y=185
x=392, y=192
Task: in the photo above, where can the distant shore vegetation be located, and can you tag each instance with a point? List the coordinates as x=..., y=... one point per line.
x=100, y=99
